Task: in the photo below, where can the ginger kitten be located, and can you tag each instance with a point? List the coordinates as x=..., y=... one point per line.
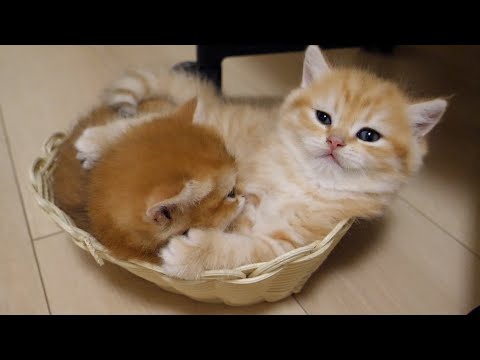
x=157, y=180
x=69, y=178
x=339, y=146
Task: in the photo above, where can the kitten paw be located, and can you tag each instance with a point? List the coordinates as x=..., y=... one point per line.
x=89, y=146
x=183, y=257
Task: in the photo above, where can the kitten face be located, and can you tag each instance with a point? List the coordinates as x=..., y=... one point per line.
x=350, y=123
x=353, y=131
x=211, y=202
x=221, y=206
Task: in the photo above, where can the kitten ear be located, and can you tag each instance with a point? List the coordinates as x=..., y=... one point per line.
x=313, y=65
x=194, y=108
x=187, y=109
x=162, y=202
x=425, y=115
x=160, y=213
x=199, y=115
x=207, y=99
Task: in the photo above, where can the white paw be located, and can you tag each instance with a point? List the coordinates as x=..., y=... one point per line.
x=182, y=256
x=89, y=146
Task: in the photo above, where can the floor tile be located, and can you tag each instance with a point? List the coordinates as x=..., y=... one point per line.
x=21, y=289
x=44, y=89
x=77, y=285
x=401, y=264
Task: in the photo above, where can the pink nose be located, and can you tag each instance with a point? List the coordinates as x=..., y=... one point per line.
x=335, y=142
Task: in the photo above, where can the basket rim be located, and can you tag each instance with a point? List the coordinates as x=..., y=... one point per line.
x=245, y=274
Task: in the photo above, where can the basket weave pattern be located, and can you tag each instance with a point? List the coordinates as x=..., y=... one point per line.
x=270, y=281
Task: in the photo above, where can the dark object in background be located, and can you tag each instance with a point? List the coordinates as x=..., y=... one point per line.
x=210, y=57
x=475, y=311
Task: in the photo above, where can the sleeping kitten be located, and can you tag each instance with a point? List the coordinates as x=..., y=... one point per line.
x=158, y=180
x=340, y=146
x=69, y=178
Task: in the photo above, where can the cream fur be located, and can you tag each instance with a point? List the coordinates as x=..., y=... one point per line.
x=301, y=197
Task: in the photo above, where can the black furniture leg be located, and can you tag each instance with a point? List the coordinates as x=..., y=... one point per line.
x=209, y=63
x=384, y=49
x=210, y=57
x=475, y=311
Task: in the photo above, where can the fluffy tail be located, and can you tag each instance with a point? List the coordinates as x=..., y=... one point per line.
x=137, y=85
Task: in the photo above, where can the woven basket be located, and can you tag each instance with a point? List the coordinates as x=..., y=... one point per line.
x=270, y=281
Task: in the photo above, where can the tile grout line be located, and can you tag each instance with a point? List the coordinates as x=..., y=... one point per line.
x=48, y=235
x=439, y=226
x=298, y=302
x=19, y=192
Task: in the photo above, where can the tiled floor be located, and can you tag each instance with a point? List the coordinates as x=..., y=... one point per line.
x=422, y=257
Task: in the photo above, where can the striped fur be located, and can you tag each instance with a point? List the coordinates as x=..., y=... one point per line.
x=137, y=85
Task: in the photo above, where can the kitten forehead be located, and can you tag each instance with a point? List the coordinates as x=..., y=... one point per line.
x=357, y=99
x=358, y=83
x=377, y=120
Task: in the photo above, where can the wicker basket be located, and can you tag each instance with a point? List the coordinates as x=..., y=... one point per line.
x=270, y=281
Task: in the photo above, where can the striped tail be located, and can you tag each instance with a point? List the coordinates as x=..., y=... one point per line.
x=137, y=85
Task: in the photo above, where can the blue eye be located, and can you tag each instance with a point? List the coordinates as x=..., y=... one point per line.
x=323, y=117
x=368, y=135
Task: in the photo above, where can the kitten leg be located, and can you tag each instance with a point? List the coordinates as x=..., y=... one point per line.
x=186, y=257
x=95, y=140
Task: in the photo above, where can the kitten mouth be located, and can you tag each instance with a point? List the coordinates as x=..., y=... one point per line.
x=331, y=157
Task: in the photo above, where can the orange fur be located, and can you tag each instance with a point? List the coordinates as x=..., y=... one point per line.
x=302, y=192
x=152, y=163
x=301, y=188
x=69, y=178
x=358, y=97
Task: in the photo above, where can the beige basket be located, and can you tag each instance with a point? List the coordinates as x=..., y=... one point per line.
x=270, y=281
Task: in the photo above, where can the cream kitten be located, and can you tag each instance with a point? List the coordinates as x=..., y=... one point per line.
x=340, y=146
